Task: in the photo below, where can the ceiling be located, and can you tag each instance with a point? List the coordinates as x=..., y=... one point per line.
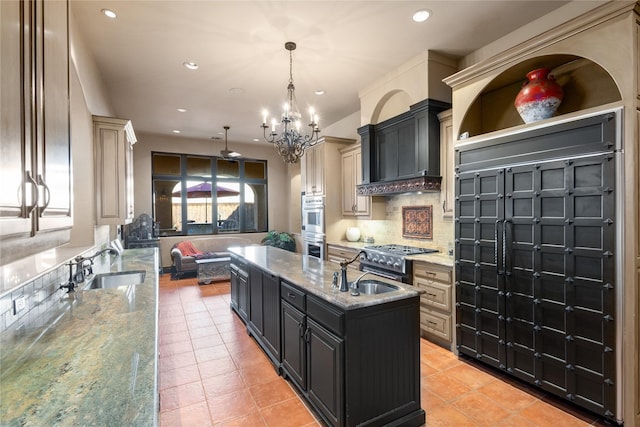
x=342, y=47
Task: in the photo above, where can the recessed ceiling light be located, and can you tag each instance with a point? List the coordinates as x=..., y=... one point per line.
x=175, y=131
x=319, y=92
x=256, y=140
x=109, y=13
x=181, y=110
x=236, y=91
x=421, y=15
x=190, y=65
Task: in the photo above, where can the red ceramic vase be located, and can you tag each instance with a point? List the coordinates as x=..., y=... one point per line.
x=539, y=97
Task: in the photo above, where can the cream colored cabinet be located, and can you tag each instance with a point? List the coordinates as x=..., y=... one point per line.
x=338, y=253
x=35, y=143
x=314, y=170
x=436, y=301
x=447, y=189
x=352, y=203
x=113, y=145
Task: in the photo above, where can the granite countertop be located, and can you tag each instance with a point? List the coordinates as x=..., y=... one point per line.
x=315, y=276
x=94, y=363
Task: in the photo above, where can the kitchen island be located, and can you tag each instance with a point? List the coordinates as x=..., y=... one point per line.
x=93, y=361
x=356, y=359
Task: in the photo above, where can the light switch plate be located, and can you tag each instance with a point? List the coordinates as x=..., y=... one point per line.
x=19, y=304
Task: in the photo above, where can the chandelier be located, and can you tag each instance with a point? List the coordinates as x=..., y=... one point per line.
x=291, y=142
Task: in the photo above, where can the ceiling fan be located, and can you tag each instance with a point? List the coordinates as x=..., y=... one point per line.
x=226, y=153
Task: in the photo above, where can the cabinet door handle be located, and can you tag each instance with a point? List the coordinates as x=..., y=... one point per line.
x=47, y=191
x=444, y=206
x=301, y=329
x=29, y=180
x=306, y=334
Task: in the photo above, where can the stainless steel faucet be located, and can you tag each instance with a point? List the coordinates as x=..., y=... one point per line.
x=82, y=269
x=344, y=284
x=355, y=285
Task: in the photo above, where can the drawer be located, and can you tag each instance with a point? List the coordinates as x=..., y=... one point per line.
x=435, y=323
x=432, y=272
x=292, y=295
x=436, y=294
x=329, y=317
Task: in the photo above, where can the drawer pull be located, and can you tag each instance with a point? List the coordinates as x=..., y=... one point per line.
x=431, y=295
x=431, y=323
x=290, y=295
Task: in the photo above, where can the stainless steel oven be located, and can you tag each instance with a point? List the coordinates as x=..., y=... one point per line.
x=313, y=214
x=314, y=244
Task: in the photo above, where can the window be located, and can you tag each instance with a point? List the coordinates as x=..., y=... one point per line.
x=208, y=195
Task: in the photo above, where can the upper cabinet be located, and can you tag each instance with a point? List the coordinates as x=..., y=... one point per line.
x=35, y=131
x=313, y=165
x=352, y=203
x=113, y=145
x=319, y=158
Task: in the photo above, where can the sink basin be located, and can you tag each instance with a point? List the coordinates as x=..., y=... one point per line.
x=372, y=287
x=120, y=278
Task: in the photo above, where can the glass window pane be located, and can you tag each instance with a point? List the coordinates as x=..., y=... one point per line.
x=255, y=207
x=198, y=166
x=167, y=207
x=228, y=168
x=255, y=170
x=166, y=164
x=199, y=207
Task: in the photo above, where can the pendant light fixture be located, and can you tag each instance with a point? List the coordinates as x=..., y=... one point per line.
x=291, y=141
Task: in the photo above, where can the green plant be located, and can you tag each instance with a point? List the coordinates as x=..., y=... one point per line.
x=280, y=240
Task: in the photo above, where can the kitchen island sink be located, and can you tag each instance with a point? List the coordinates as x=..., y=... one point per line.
x=373, y=287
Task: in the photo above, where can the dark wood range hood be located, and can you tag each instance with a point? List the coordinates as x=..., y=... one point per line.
x=402, y=154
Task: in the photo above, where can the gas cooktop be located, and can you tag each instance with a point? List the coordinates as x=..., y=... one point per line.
x=400, y=249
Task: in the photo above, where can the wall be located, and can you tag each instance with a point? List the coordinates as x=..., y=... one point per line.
x=419, y=78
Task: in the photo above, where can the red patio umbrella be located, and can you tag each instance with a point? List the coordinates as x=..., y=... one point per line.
x=203, y=190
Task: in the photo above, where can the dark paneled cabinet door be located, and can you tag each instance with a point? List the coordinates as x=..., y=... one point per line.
x=324, y=371
x=255, y=301
x=479, y=276
x=243, y=295
x=294, y=347
x=271, y=313
x=560, y=293
x=233, y=270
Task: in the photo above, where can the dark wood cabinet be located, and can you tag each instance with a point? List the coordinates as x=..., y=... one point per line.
x=264, y=312
x=239, y=288
x=294, y=346
x=355, y=367
x=324, y=371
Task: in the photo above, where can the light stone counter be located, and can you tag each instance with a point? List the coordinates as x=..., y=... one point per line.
x=94, y=363
x=435, y=258
x=315, y=276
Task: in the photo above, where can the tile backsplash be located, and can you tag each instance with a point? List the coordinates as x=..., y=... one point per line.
x=389, y=230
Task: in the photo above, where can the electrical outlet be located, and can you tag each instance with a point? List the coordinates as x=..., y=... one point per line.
x=19, y=304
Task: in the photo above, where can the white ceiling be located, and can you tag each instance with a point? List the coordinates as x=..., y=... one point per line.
x=343, y=46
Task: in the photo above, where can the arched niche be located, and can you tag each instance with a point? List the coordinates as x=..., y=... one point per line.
x=390, y=105
x=585, y=85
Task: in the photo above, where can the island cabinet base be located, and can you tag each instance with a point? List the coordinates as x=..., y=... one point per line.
x=356, y=367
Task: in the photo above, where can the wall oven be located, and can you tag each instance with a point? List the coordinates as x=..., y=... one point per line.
x=314, y=244
x=313, y=214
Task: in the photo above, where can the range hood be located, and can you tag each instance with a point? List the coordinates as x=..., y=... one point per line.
x=402, y=154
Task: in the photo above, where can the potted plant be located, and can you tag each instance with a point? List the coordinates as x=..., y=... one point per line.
x=280, y=240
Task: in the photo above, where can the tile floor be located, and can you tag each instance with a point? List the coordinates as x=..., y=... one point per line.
x=213, y=374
